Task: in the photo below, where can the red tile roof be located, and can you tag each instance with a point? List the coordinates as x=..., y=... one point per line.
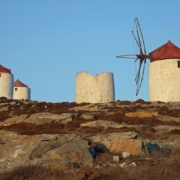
x=166, y=51
x=4, y=70
x=18, y=83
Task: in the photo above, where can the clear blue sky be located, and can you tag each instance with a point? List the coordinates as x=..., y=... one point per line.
x=47, y=42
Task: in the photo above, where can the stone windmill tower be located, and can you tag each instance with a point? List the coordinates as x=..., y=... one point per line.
x=164, y=73
x=21, y=91
x=6, y=82
x=95, y=89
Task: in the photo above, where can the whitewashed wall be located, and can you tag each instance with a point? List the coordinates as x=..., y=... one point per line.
x=164, y=80
x=6, y=85
x=21, y=93
x=95, y=89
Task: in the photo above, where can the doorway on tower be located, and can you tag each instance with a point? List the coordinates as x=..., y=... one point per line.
x=178, y=63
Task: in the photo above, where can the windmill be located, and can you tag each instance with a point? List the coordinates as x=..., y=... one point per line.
x=142, y=56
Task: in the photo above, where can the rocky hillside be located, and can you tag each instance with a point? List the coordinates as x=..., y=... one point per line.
x=117, y=140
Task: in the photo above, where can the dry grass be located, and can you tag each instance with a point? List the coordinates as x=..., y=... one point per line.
x=158, y=166
x=32, y=172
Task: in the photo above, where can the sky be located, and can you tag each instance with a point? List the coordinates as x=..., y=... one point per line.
x=46, y=43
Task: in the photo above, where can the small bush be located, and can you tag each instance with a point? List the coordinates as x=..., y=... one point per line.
x=31, y=172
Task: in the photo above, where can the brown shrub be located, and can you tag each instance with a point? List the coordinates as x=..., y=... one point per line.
x=175, y=113
x=175, y=154
x=117, y=130
x=174, y=131
x=103, y=158
x=125, y=102
x=19, y=127
x=31, y=172
x=51, y=128
x=141, y=101
x=90, y=130
x=155, y=169
x=3, y=98
x=163, y=110
x=4, y=116
x=146, y=132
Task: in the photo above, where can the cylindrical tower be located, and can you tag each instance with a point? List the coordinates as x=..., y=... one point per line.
x=6, y=82
x=164, y=73
x=95, y=89
x=21, y=91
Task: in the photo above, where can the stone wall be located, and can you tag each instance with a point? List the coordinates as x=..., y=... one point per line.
x=6, y=85
x=21, y=93
x=95, y=89
x=164, y=80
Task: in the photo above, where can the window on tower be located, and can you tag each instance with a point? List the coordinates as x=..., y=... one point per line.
x=178, y=64
x=16, y=89
x=0, y=74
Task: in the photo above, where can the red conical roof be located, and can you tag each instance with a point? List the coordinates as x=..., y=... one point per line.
x=4, y=70
x=166, y=51
x=18, y=83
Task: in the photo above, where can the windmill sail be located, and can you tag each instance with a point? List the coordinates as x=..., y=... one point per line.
x=141, y=57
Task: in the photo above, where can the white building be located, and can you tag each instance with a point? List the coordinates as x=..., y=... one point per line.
x=6, y=82
x=95, y=89
x=21, y=91
x=164, y=73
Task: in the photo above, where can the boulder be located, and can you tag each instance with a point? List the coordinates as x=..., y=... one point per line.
x=69, y=155
x=171, y=143
x=120, y=142
x=66, y=151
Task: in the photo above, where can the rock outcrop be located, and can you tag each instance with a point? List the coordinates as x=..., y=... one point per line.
x=120, y=142
x=39, y=118
x=65, y=151
x=70, y=135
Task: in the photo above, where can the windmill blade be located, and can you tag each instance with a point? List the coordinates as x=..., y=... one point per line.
x=137, y=82
x=138, y=73
x=141, y=36
x=135, y=39
x=129, y=56
x=140, y=79
x=142, y=56
x=137, y=32
x=142, y=73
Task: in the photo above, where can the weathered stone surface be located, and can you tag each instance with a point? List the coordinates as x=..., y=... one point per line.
x=165, y=128
x=119, y=142
x=89, y=107
x=169, y=119
x=69, y=155
x=39, y=118
x=87, y=116
x=109, y=137
x=102, y=123
x=142, y=114
x=17, y=150
x=172, y=142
